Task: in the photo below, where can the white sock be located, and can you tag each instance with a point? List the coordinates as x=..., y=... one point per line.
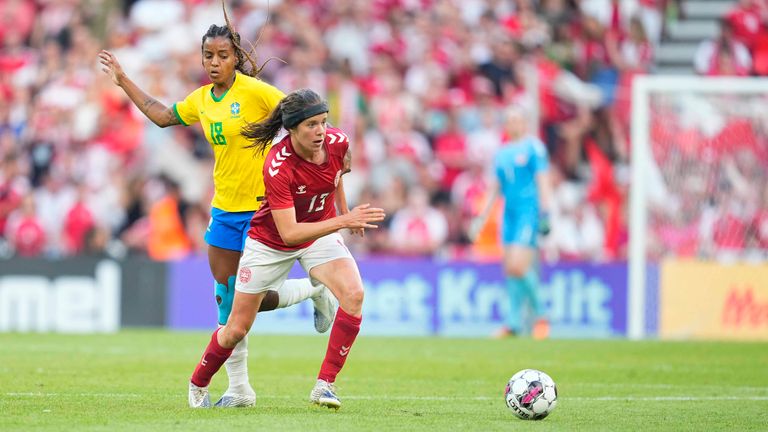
x=237, y=369
x=294, y=291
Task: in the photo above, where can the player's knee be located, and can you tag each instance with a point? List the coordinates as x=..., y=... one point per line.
x=237, y=332
x=515, y=269
x=232, y=334
x=353, y=295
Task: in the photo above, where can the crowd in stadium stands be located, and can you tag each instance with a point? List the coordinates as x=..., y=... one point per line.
x=710, y=195
x=419, y=84
x=741, y=48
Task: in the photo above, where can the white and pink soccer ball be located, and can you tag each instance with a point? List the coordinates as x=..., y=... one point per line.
x=531, y=394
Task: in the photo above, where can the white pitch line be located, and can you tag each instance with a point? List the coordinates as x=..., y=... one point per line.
x=106, y=395
x=441, y=398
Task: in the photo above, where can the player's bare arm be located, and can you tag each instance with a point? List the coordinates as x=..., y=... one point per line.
x=157, y=112
x=546, y=190
x=347, y=163
x=294, y=233
x=341, y=197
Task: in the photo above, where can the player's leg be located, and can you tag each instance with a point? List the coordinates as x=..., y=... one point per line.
x=220, y=348
x=522, y=273
x=530, y=279
x=223, y=264
x=532, y=283
x=328, y=260
x=519, y=237
x=225, y=244
x=262, y=269
x=292, y=292
x=517, y=260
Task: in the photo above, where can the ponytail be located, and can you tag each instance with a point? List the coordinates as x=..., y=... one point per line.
x=289, y=113
x=264, y=132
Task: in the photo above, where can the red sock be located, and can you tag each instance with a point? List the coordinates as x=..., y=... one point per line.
x=214, y=356
x=343, y=334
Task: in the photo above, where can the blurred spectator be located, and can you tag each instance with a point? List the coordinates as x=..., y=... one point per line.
x=12, y=188
x=451, y=150
x=17, y=17
x=613, y=15
x=25, y=231
x=418, y=228
x=167, y=237
x=746, y=20
x=724, y=55
x=77, y=222
x=500, y=68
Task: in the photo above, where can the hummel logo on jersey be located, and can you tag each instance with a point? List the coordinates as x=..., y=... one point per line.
x=278, y=160
x=339, y=137
x=344, y=351
x=302, y=189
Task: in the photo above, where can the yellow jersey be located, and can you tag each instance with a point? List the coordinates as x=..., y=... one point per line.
x=237, y=171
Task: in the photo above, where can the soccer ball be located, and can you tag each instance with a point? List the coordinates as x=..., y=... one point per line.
x=531, y=394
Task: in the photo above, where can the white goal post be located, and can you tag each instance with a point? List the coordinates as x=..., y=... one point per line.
x=643, y=169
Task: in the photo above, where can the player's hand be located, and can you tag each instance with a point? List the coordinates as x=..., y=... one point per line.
x=111, y=67
x=545, y=226
x=363, y=216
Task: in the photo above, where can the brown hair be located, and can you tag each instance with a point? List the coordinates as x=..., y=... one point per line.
x=291, y=106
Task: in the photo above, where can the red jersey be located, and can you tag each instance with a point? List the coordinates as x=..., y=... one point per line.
x=291, y=181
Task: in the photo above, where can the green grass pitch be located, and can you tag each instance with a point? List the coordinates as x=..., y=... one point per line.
x=137, y=381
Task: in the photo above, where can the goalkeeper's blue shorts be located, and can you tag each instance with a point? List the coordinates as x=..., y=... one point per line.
x=520, y=228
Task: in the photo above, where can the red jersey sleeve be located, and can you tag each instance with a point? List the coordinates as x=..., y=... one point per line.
x=338, y=143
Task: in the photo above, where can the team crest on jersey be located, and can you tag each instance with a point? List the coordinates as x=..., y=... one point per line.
x=338, y=177
x=245, y=275
x=235, y=109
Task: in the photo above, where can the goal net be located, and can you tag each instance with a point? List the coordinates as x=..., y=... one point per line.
x=699, y=188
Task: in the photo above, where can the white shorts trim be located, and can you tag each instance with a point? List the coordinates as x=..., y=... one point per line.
x=263, y=268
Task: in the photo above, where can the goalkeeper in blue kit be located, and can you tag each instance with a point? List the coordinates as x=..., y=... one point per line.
x=521, y=171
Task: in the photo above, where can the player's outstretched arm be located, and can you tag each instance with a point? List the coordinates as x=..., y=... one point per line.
x=546, y=200
x=294, y=233
x=341, y=205
x=157, y=112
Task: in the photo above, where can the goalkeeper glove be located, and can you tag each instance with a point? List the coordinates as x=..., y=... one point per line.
x=544, y=224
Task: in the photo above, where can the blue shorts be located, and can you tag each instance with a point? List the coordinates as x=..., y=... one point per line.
x=228, y=230
x=520, y=228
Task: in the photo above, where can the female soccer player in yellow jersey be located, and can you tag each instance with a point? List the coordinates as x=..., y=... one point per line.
x=233, y=99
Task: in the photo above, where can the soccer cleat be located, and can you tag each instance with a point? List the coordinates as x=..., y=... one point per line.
x=540, y=329
x=324, y=394
x=503, y=333
x=325, y=310
x=198, y=396
x=236, y=401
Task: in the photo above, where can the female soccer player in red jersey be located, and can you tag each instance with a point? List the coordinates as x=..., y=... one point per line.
x=233, y=99
x=298, y=221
